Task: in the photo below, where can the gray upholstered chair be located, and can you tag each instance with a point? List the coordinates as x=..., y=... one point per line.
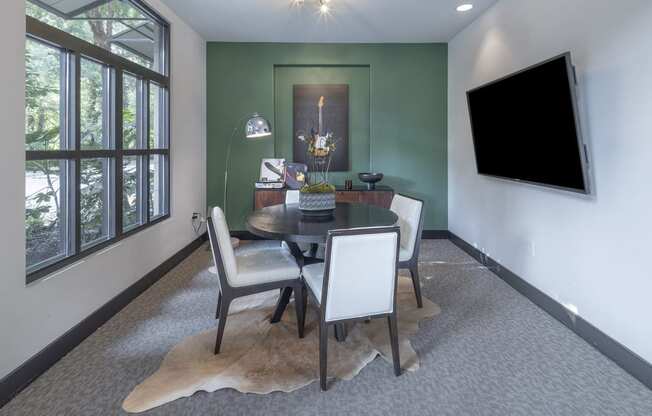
x=410, y=219
x=256, y=272
x=357, y=282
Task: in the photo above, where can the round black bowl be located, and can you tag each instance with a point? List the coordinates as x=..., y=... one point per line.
x=370, y=178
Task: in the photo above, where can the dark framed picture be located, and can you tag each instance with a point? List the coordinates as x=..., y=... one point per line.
x=332, y=102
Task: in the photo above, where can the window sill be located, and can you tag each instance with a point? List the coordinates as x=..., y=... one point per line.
x=36, y=275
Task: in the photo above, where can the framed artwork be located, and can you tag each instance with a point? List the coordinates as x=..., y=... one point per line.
x=272, y=170
x=322, y=109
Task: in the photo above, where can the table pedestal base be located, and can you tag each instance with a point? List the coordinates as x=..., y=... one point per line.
x=286, y=293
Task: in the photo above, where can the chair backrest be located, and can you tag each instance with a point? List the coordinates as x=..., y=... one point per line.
x=360, y=273
x=291, y=196
x=223, y=255
x=410, y=219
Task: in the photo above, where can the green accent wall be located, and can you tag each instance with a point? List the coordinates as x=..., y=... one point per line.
x=397, y=105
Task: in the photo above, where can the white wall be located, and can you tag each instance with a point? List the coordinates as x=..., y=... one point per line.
x=591, y=253
x=31, y=317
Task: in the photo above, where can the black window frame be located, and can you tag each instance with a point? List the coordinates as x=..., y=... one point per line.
x=74, y=49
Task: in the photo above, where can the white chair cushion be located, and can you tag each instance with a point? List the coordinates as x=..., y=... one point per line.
x=409, y=214
x=313, y=275
x=264, y=266
x=224, y=242
x=253, y=246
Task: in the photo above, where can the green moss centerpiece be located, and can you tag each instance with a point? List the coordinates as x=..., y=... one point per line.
x=317, y=197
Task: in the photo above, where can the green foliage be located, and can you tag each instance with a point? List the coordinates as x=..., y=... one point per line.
x=129, y=112
x=130, y=191
x=318, y=188
x=93, y=199
x=42, y=97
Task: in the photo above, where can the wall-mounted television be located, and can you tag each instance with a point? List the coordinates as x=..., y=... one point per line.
x=525, y=127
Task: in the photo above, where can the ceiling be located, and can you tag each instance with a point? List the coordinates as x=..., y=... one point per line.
x=360, y=21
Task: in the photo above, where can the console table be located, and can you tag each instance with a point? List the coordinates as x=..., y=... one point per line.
x=381, y=196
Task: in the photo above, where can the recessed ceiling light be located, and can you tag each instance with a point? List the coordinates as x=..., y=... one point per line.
x=464, y=7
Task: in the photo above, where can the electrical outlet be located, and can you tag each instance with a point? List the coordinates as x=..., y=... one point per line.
x=197, y=221
x=533, y=249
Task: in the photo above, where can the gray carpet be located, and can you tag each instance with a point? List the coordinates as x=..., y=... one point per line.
x=490, y=352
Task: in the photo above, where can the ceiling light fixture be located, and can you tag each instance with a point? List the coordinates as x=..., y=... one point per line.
x=323, y=6
x=464, y=7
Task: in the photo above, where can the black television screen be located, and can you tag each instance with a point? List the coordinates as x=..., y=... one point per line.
x=525, y=127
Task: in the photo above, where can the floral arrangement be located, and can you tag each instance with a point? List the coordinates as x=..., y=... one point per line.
x=320, y=149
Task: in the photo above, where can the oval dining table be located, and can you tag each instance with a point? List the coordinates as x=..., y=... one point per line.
x=286, y=222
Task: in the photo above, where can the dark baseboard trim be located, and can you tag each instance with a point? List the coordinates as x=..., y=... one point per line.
x=17, y=380
x=612, y=349
x=435, y=235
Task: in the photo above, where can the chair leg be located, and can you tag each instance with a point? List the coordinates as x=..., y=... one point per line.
x=219, y=303
x=283, y=301
x=299, y=307
x=414, y=272
x=393, y=337
x=224, y=313
x=323, y=355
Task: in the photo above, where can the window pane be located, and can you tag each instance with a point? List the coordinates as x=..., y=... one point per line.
x=115, y=25
x=157, y=119
x=94, y=125
x=43, y=98
x=46, y=212
x=131, y=192
x=95, y=200
x=157, y=186
x=131, y=116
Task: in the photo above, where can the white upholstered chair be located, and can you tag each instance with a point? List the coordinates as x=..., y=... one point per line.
x=255, y=272
x=357, y=282
x=410, y=219
x=291, y=197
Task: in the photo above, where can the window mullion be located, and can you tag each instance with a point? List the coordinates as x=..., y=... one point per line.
x=76, y=114
x=117, y=92
x=142, y=188
x=147, y=159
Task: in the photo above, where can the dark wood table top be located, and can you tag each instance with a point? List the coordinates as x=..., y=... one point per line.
x=338, y=188
x=287, y=223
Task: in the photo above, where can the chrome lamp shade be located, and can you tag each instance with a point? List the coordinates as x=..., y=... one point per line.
x=257, y=127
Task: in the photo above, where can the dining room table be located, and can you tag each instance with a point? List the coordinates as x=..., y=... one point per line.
x=286, y=222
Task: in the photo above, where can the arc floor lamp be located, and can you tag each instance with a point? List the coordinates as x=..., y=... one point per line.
x=256, y=127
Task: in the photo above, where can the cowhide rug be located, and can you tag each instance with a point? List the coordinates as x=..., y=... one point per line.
x=258, y=357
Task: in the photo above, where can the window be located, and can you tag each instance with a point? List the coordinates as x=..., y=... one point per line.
x=96, y=127
x=123, y=27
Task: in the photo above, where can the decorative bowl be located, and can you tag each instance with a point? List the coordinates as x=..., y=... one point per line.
x=370, y=178
x=317, y=204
